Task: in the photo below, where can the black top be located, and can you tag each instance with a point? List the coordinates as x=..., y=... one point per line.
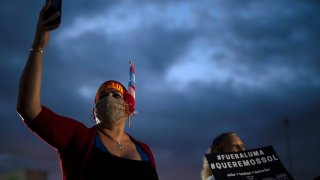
x=105, y=166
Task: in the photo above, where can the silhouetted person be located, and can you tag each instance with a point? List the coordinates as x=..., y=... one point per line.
x=224, y=143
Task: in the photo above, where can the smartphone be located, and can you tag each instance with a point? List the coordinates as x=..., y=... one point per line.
x=56, y=6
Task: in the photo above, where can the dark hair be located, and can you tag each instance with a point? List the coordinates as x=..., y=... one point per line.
x=216, y=141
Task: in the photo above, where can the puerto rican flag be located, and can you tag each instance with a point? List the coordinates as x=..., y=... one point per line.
x=132, y=88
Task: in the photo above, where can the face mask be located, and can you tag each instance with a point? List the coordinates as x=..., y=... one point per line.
x=110, y=109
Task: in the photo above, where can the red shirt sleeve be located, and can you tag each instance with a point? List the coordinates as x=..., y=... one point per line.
x=58, y=131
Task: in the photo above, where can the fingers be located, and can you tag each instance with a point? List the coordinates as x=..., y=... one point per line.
x=45, y=8
x=48, y=24
x=48, y=18
x=49, y=2
x=51, y=18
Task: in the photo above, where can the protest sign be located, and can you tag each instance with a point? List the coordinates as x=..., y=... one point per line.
x=262, y=164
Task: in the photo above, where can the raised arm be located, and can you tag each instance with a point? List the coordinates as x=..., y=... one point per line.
x=28, y=105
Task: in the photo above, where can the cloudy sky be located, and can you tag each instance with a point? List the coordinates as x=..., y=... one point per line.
x=203, y=67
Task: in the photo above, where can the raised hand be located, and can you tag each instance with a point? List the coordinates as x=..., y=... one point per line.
x=44, y=26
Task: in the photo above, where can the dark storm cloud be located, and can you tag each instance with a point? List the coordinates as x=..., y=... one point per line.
x=264, y=33
x=263, y=53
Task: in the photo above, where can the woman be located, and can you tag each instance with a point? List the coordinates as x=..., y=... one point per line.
x=104, y=151
x=224, y=143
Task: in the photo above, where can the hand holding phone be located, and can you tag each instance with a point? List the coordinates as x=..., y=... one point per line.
x=55, y=6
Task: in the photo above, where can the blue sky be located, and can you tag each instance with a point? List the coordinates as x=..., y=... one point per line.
x=203, y=68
